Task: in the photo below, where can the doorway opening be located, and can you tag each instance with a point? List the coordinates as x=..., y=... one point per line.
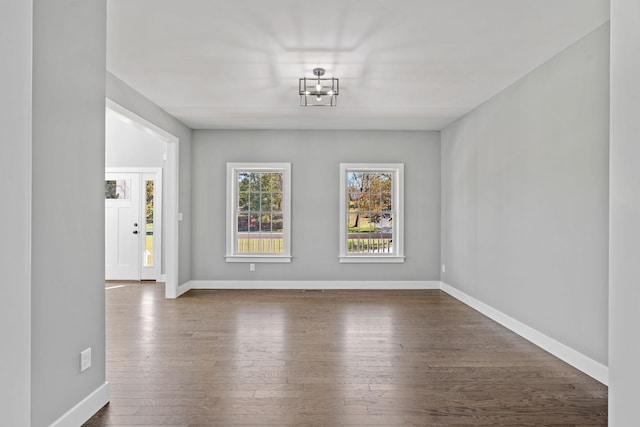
x=141, y=200
x=133, y=224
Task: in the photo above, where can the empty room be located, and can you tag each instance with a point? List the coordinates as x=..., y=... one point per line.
x=346, y=213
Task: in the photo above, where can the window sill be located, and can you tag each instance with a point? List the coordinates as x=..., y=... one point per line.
x=259, y=258
x=368, y=259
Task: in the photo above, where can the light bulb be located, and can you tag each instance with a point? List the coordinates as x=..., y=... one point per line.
x=330, y=93
x=318, y=87
x=318, y=97
x=306, y=92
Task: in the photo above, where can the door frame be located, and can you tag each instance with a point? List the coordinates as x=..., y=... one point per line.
x=170, y=184
x=158, y=216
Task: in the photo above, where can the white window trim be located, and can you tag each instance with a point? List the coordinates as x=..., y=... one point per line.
x=231, y=221
x=397, y=169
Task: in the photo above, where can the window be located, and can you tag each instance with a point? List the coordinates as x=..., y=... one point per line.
x=258, y=212
x=116, y=189
x=371, y=217
x=149, y=225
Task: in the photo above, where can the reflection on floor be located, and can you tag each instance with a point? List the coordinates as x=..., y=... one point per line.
x=280, y=358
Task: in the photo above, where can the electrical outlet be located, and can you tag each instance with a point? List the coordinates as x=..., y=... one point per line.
x=252, y=267
x=444, y=268
x=85, y=359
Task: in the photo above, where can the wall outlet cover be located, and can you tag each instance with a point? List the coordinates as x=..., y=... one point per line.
x=85, y=359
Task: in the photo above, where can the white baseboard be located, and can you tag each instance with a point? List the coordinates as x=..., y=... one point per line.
x=84, y=410
x=574, y=358
x=310, y=284
x=185, y=287
x=162, y=278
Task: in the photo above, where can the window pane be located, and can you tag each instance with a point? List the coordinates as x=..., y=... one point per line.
x=254, y=181
x=266, y=182
x=277, y=223
x=265, y=223
x=149, y=223
x=116, y=189
x=254, y=202
x=276, y=182
x=243, y=202
x=385, y=179
x=363, y=202
x=354, y=181
x=243, y=181
x=110, y=189
x=386, y=223
x=352, y=220
x=243, y=223
x=265, y=204
x=365, y=222
x=254, y=222
x=276, y=202
x=386, y=202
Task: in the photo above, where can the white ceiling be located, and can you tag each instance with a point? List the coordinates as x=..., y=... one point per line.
x=402, y=64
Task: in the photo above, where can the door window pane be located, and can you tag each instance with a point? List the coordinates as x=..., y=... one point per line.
x=149, y=223
x=116, y=189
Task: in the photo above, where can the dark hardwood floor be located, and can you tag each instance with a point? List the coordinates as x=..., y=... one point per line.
x=333, y=358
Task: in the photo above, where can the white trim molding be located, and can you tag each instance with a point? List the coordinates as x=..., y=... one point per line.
x=185, y=287
x=85, y=409
x=574, y=358
x=311, y=284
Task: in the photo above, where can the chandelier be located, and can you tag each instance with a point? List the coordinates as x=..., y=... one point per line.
x=318, y=91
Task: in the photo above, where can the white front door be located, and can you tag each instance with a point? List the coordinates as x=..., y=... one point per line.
x=133, y=224
x=123, y=226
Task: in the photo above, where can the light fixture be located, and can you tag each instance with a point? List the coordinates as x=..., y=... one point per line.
x=318, y=91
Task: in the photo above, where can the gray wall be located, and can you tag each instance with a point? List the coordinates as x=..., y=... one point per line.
x=525, y=190
x=315, y=157
x=122, y=94
x=15, y=214
x=624, y=276
x=67, y=298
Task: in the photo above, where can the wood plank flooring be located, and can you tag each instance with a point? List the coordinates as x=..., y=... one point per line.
x=333, y=358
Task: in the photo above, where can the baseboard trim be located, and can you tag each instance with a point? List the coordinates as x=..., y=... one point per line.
x=574, y=358
x=185, y=287
x=311, y=284
x=162, y=278
x=84, y=410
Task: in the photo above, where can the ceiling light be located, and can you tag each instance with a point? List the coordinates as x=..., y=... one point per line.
x=318, y=91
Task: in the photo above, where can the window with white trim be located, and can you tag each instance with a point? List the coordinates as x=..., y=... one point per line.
x=258, y=212
x=371, y=212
